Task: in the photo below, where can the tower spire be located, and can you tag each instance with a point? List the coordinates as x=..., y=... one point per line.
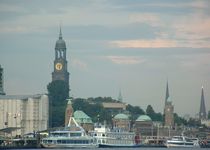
x=202, y=113
x=120, y=96
x=60, y=34
x=167, y=93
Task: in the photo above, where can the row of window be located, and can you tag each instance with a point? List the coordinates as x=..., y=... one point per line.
x=68, y=141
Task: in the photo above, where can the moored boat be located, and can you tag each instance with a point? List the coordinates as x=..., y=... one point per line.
x=182, y=142
x=115, y=138
x=73, y=136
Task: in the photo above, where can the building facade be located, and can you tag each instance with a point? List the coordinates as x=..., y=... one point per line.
x=27, y=114
x=122, y=122
x=60, y=63
x=1, y=81
x=168, y=110
x=144, y=125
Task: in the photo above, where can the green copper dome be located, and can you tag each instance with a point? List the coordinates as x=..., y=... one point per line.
x=81, y=117
x=121, y=116
x=143, y=118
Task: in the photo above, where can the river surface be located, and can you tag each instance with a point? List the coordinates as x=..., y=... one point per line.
x=140, y=148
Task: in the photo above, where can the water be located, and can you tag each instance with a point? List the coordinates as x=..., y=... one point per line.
x=140, y=148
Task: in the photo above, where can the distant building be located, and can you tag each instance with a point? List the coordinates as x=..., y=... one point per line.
x=60, y=63
x=144, y=125
x=168, y=110
x=114, y=108
x=69, y=112
x=121, y=121
x=24, y=113
x=84, y=120
x=1, y=81
x=202, y=112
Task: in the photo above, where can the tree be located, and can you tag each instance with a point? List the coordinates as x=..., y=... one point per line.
x=209, y=114
x=58, y=92
x=179, y=120
x=153, y=115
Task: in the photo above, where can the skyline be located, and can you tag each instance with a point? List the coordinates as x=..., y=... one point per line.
x=130, y=46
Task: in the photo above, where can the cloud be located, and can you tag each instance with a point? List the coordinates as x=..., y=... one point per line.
x=161, y=43
x=149, y=18
x=78, y=64
x=157, y=43
x=128, y=60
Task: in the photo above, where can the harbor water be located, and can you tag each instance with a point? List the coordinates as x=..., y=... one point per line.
x=140, y=148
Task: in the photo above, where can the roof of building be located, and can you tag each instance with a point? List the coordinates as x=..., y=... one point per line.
x=143, y=118
x=82, y=117
x=20, y=97
x=114, y=105
x=121, y=116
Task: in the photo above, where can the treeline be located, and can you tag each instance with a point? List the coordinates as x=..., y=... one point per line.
x=58, y=92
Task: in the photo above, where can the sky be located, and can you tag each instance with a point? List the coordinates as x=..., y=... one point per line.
x=112, y=45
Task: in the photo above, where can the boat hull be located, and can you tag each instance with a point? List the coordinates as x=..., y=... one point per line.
x=63, y=146
x=117, y=146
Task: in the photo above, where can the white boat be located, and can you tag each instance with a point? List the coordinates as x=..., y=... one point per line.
x=181, y=141
x=74, y=136
x=115, y=138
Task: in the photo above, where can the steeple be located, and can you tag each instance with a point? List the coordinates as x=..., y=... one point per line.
x=202, y=113
x=120, y=97
x=167, y=93
x=60, y=34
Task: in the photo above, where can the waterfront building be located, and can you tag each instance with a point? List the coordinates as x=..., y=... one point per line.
x=168, y=110
x=144, y=125
x=121, y=121
x=22, y=114
x=202, y=112
x=60, y=63
x=83, y=120
x=1, y=81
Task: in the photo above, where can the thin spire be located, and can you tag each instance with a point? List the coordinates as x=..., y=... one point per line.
x=167, y=93
x=120, y=96
x=60, y=34
x=202, y=113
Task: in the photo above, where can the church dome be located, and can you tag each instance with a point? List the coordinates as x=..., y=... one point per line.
x=121, y=116
x=143, y=118
x=82, y=117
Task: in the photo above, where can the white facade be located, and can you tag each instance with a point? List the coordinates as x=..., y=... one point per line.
x=29, y=113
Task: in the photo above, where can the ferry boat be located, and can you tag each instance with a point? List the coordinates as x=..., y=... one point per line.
x=115, y=138
x=74, y=136
x=181, y=141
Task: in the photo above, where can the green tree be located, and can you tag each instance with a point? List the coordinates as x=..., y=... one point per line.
x=209, y=114
x=153, y=115
x=179, y=120
x=58, y=92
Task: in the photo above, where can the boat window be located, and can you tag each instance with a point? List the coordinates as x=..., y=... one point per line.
x=75, y=134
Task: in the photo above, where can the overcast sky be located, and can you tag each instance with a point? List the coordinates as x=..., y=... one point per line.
x=132, y=45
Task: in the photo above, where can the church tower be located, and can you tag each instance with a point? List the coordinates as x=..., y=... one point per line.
x=168, y=110
x=202, y=113
x=69, y=112
x=60, y=63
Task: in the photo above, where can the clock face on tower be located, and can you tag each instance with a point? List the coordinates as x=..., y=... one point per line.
x=58, y=66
